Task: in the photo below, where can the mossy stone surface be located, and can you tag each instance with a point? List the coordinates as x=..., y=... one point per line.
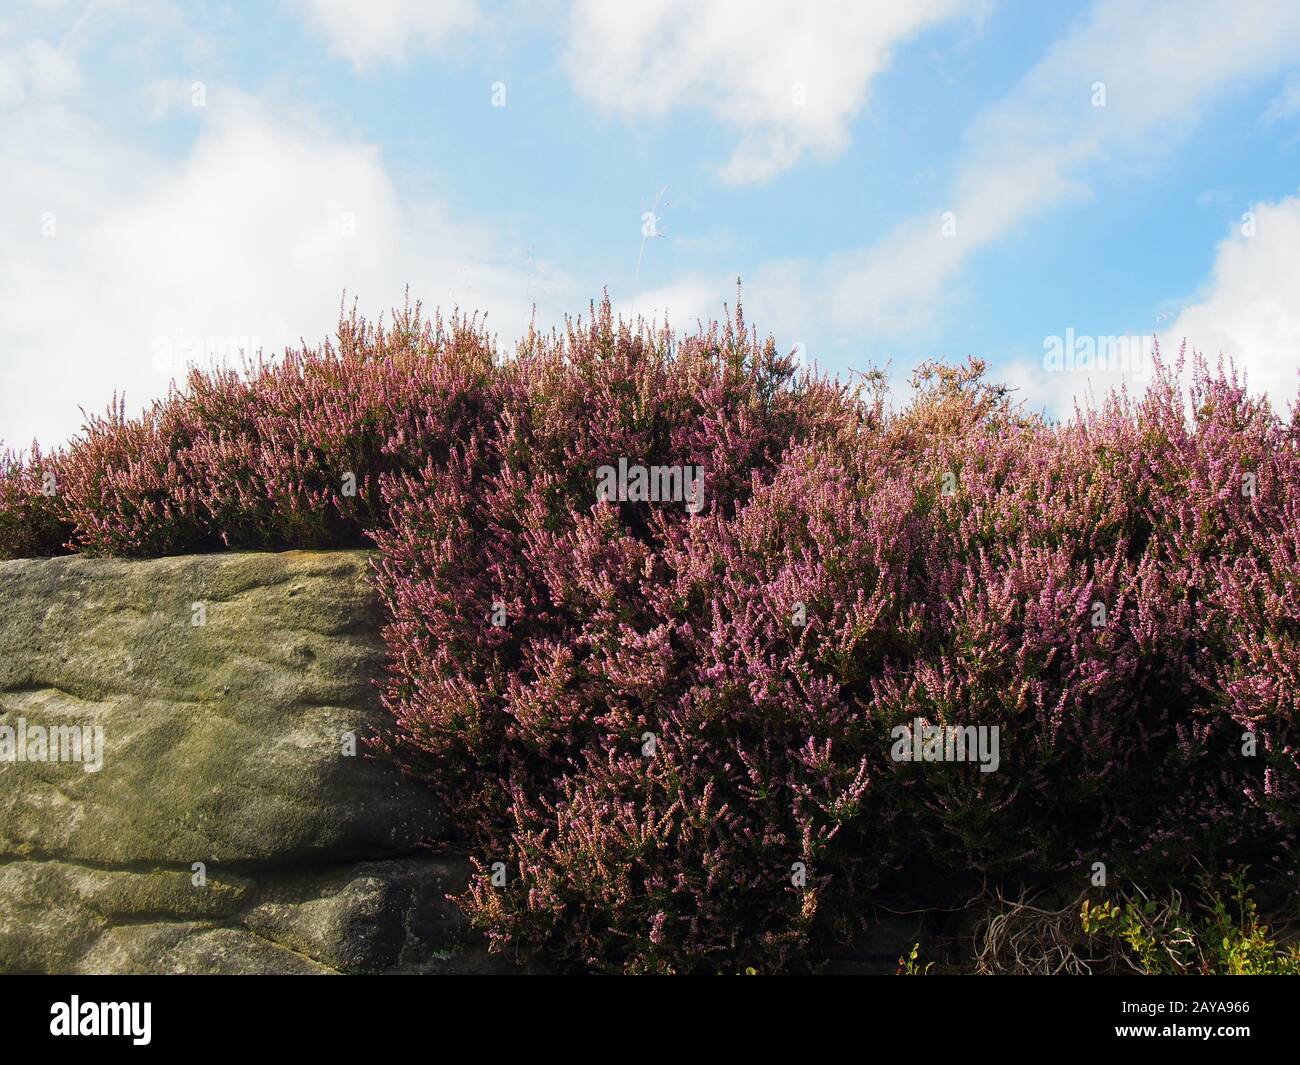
x=224, y=685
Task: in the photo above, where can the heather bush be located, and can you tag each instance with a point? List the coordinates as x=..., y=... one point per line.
x=541, y=722
x=286, y=453
x=674, y=723
x=1063, y=585
x=128, y=487
x=32, y=522
x=293, y=453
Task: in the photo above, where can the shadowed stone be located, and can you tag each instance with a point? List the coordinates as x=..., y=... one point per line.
x=223, y=742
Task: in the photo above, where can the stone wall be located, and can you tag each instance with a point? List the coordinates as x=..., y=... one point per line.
x=228, y=828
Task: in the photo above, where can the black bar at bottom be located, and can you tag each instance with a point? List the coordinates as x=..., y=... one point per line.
x=368, y=1014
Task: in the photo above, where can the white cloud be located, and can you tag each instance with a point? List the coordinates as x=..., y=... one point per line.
x=686, y=301
x=1250, y=310
x=370, y=32
x=1286, y=103
x=36, y=71
x=789, y=78
x=774, y=298
x=248, y=240
x=1101, y=364
x=1159, y=64
x=1041, y=145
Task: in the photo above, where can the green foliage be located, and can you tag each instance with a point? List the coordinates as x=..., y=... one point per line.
x=1222, y=934
x=909, y=965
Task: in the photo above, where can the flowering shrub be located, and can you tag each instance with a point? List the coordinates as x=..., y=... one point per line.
x=675, y=727
x=584, y=737
x=285, y=454
x=674, y=745
x=32, y=523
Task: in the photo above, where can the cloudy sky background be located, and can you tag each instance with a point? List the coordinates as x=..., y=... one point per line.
x=891, y=181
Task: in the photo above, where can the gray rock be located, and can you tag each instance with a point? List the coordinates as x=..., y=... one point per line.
x=369, y=917
x=192, y=949
x=223, y=742
x=51, y=911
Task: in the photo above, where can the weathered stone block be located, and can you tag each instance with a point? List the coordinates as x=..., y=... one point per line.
x=223, y=686
x=223, y=741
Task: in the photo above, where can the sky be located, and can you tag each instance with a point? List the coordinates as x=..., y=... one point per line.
x=1050, y=187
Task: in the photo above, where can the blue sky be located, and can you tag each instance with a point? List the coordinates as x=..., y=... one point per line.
x=891, y=181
